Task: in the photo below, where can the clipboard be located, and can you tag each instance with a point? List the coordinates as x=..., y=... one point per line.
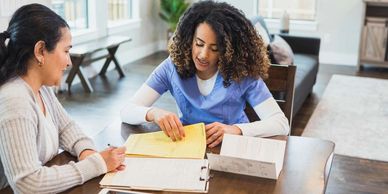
x=160, y=174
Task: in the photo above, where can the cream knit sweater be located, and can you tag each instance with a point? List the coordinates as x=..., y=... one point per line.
x=29, y=139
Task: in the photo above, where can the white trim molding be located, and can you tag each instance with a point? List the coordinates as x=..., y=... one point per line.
x=273, y=25
x=338, y=59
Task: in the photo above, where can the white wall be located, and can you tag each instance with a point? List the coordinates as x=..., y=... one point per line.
x=338, y=24
x=7, y=7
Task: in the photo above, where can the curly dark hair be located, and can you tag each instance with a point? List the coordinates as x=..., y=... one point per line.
x=241, y=51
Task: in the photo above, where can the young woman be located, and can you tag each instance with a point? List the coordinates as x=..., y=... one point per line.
x=216, y=65
x=34, y=52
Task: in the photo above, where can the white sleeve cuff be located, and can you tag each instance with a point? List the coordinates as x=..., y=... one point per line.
x=134, y=114
x=273, y=121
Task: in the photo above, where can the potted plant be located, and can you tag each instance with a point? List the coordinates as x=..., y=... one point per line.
x=171, y=11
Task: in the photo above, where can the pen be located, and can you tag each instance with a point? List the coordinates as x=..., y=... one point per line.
x=112, y=146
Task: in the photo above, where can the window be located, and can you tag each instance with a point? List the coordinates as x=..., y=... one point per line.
x=92, y=19
x=119, y=11
x=75, y=12
x=297, y=9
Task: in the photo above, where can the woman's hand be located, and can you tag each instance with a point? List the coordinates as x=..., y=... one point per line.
x=114, y=158
x=215, y=132
x=86, y=153
x=168, y=122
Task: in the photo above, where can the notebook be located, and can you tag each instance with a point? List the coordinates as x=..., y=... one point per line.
x=160, y=174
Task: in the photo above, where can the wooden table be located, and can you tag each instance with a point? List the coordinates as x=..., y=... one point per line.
x=81, y=54
x=306, y=166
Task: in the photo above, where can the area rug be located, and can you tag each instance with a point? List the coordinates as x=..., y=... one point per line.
x=353, y=113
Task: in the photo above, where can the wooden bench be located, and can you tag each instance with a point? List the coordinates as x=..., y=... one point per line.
x=81, y=55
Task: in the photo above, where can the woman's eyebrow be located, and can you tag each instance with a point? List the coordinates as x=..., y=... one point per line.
x=199, y=39
x=205, y=42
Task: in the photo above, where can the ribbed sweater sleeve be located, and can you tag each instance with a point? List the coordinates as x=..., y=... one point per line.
x=24, y=171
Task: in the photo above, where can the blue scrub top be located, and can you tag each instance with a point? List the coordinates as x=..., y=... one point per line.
x=224, y=105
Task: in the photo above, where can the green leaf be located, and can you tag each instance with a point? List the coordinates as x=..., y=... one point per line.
x=171, y=11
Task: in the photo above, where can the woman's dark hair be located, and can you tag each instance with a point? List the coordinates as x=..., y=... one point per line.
x=29, y=24
x=242, y=51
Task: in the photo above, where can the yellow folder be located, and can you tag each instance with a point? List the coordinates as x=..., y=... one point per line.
x=157, y=144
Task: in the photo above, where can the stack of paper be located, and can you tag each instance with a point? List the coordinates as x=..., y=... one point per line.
x=157, y=144
x=252, y=156
x=181, y=166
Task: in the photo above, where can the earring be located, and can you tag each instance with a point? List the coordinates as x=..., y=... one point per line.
x=40, y=64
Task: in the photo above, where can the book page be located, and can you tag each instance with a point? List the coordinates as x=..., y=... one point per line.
x=253, y=148
x=162, y=174
x=157, y=144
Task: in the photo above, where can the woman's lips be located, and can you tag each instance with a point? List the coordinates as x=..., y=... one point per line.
x=202, y=63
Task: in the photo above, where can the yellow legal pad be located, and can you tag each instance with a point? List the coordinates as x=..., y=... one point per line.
x=157, y=144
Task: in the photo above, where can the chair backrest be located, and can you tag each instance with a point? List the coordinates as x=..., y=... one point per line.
x=280, y=83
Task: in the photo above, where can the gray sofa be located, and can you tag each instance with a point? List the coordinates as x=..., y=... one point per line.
x=306, y=59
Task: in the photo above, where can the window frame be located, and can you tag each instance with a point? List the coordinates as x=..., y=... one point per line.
x=98, y=22
x=296, y=26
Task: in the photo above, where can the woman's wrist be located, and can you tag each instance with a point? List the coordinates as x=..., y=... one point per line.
x=85, y=153
x=236, y=130
x=150, y=115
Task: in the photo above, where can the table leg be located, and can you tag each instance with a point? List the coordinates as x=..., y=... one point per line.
x=84, y=81
x=77, y=70
x=76, y=62
x=106, y=64
x=112, y=51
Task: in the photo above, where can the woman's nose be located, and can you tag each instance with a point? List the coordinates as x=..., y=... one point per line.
x=69, y=63
x=203, y=54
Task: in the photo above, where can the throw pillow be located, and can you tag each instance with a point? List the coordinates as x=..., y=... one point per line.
x=261, y=31
x=281, y=51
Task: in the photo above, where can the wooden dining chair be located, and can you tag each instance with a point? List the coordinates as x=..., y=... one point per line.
x=280, y=83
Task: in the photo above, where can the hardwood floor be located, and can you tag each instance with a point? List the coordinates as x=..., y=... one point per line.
x=95, y=111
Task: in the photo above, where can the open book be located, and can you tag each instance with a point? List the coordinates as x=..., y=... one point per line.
x=252, y=156
x=161, y=174
x=157, y=144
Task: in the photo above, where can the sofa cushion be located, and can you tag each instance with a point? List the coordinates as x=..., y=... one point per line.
x=306, y=71
x=259, y=19
x=261, y=31
x=281, y=51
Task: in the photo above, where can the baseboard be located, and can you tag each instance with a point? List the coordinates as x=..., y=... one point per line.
x=338, y=59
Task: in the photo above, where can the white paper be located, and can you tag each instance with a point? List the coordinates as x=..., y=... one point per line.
x=254, y=148
x=163, y=174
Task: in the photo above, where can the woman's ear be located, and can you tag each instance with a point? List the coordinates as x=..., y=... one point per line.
x=39, y=48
